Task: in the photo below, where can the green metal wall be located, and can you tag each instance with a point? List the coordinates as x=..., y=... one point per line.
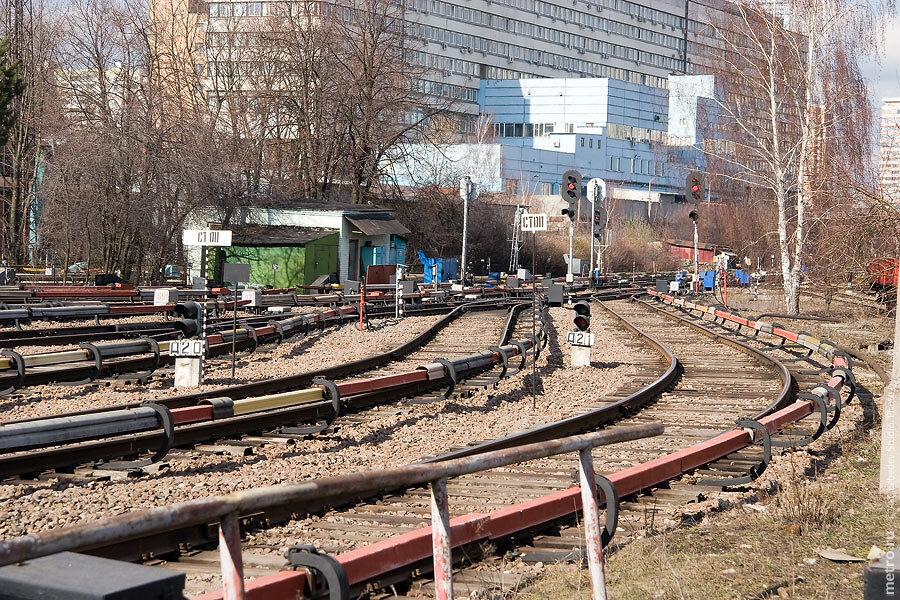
x=297, y=265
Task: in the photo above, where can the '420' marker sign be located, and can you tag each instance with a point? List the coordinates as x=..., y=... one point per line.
x=534, y=222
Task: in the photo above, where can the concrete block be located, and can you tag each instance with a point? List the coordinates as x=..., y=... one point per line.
x=187, y=372
x=254, y=296
x=164, y=296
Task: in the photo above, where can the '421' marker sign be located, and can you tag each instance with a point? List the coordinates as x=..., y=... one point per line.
x=534, y=222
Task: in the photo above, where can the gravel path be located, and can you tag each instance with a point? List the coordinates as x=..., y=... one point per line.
x=393, y=435
x=293, y=356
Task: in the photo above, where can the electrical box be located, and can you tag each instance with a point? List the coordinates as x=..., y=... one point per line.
x=555, y=294
x=73, y=576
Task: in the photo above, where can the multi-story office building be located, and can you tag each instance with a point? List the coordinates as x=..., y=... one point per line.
x=640, y=139
x=461, y=42
x=889, y=171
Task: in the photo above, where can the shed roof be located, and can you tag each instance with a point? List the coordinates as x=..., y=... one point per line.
x=377, y=225
x=277, y=235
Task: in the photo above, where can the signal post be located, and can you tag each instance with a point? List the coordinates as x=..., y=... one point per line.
x=189, y=357
x=570, y=190
x=533, y=223
x=581, y=340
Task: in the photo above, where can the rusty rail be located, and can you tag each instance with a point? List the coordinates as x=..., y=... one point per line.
x=225, y=509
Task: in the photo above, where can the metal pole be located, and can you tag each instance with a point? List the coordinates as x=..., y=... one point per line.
x=230, y=557
x=889, y=478
x=696, y=259
x=592, y=530
x=362, y=301
x=440, y=540
x=533, y=315
x=203, y=349
x=465, y=230
x=725, y=284
x=569, y=277
x=591, y=230
x=234, y=329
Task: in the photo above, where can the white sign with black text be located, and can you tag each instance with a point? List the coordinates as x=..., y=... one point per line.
x=186, y=348
x=534, y=222
x=580, y=338
x=206, y=237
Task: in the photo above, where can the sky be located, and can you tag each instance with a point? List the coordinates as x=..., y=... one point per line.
x=884, y=75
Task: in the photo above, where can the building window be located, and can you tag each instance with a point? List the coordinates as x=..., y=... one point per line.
x=582, y=142
x=512, y=186
x=546, y=189
x=591, y=143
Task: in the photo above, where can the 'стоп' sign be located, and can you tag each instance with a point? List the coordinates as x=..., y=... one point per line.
x=534, y=222
x=206, y=237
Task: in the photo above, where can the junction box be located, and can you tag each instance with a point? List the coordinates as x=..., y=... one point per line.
x=73, y=576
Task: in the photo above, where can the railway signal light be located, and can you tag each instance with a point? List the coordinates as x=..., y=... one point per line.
x=570, y=190
x=582, y=315
x=191, y=314
x=599, y=222
x=695, y=187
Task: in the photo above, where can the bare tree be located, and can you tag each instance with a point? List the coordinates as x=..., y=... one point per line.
x=31, y=31
x=789, y=84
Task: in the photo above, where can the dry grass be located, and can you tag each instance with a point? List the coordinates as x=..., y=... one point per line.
x=743, y=553
x=808, y=504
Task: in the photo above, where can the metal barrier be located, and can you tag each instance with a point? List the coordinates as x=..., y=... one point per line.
x=227, y=509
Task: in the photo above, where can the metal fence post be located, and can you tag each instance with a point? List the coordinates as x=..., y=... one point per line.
x=440, y=539
x=592, y=529
x=230, y=557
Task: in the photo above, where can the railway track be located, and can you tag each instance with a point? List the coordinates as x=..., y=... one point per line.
x=875, y=304
x=727, y=381
x=727, y=378
x=345, y=530
x=457, y=335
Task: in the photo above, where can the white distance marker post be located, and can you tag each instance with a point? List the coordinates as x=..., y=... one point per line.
x=580, y=343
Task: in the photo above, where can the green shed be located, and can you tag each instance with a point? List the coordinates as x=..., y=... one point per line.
x=301, y=254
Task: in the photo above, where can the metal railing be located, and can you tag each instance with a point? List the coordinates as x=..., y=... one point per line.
x=227, y=509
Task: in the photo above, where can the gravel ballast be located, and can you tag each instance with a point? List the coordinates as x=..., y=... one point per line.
x=391, y=435
x=294, y=356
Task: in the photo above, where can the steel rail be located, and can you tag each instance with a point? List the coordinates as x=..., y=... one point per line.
x=301, y=380
x=296, y=497
x=146, y=359
x=359, y=565
x=380, y=560
x=594, y=418
x=41, y=459
x=787, y=379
